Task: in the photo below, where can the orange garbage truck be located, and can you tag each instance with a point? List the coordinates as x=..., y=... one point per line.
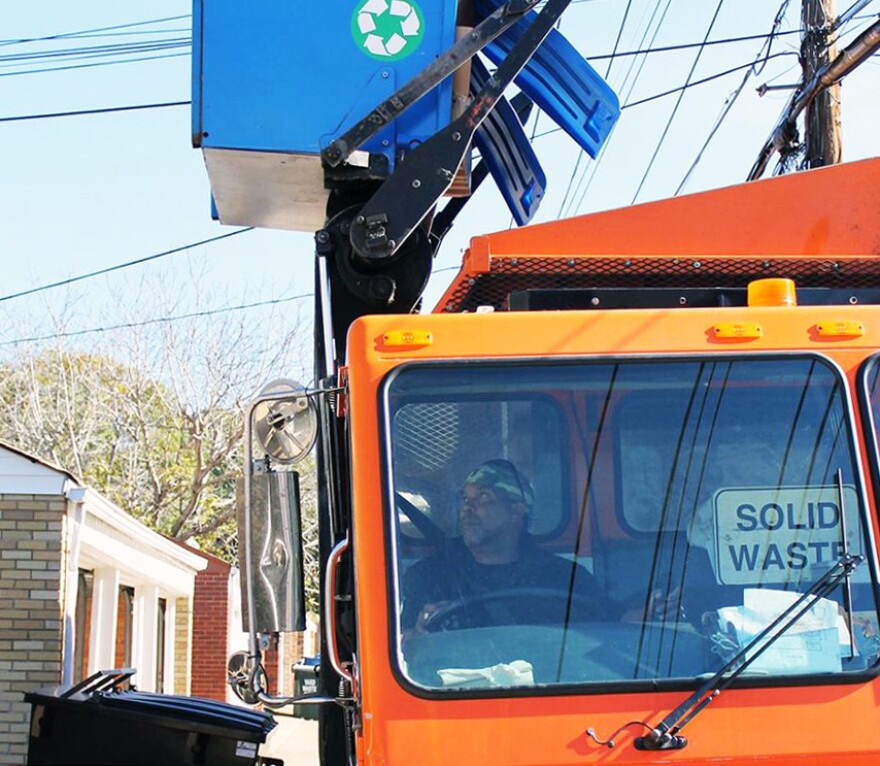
x=614, y=499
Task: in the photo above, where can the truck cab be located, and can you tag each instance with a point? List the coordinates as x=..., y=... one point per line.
x=695, y=462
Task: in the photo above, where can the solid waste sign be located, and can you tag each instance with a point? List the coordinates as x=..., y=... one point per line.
x=387, y=29
x=779, y=535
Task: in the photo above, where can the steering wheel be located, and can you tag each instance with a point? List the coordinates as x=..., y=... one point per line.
x=446, y=617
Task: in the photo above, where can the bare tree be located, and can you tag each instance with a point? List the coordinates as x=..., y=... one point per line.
x=151, y=413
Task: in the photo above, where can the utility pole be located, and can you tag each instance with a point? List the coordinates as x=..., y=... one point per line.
x=822, y=118
x=784, y=135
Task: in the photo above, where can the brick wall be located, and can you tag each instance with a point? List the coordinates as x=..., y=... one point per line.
x=31, y=562
x=209, y=630
x=182, y=641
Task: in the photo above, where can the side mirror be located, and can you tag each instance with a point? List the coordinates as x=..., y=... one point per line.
x=283, y=421
x=273, y=573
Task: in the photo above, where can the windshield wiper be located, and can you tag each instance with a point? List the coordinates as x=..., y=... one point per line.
x=666, y=735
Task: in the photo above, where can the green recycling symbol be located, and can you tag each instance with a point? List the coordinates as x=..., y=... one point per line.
x=388, y=30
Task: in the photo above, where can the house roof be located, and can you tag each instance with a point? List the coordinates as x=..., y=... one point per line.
x=24, y=473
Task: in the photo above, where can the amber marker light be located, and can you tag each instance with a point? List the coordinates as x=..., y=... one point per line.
x=772, y=292
x=738, y=331
x=408, y=338
x=852, y=328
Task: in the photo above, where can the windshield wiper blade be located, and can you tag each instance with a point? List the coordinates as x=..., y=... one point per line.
x=844, y=547
x=666, y=735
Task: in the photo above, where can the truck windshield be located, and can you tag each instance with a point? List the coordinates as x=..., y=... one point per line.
x=624, y=522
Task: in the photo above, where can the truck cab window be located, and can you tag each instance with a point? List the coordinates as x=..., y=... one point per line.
x=621, y=522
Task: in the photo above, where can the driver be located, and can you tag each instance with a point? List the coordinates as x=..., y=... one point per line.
x=494, y=554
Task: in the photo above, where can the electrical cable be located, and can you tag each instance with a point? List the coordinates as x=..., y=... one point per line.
x=64, y=35
x=120, y=266
x=710, y=78
x=580, y=156
x=587, y=182
x=731, y=100
x=157, y=320
x=90, y=66
x=175, y=317
x=677, y=105
x=693, y=84
x=81, y=112
x=95, y=51
x=849, y=13
x=592, y=169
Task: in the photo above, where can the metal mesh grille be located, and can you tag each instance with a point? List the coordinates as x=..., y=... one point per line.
x=509, y=275
x=426, y=436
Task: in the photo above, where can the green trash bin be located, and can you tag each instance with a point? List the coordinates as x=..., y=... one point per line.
x=305, y=682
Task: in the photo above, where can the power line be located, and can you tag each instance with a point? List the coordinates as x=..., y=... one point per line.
x=677, y=104
x=135, y=46
x=692, y=84
x=64, y=35
x=587, y=181
x=580, y=156
x=157, y=320
x=97, y=64
x=704, y=80
x=686, y=46
x=119, y=266
x=731, y=100
x=176, y=317
x=82, y=112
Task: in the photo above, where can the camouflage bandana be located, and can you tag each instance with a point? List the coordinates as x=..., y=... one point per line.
x=501, y=475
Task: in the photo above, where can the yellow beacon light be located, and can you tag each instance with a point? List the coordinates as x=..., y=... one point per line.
x=772, y=292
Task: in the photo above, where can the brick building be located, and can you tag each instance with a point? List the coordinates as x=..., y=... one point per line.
x=217, y=635
x=83, y=587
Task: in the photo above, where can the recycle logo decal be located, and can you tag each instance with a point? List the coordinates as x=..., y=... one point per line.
x=388, y=30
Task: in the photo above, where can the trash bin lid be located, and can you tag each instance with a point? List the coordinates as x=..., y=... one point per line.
x=193, y=713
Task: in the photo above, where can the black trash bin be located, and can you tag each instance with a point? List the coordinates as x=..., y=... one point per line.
x=305, y=682
x=101, y=725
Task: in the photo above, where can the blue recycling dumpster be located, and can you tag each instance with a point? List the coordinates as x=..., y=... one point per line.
x=274, y=82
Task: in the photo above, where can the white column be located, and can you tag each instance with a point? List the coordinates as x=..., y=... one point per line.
x=170, y=645
x=105, y=612
x=75, y=515
x=146, y=617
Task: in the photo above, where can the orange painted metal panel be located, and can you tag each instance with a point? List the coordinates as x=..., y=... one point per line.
x=719, y=238
x=827, y=211
x=784, y=725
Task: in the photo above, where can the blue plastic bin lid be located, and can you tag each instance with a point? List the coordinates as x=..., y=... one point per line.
x=560, y=81
x=508, y=153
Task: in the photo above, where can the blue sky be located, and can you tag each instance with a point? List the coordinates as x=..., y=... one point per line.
x=83, y=193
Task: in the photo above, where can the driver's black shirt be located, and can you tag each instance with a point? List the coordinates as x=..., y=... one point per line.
x=453, y=574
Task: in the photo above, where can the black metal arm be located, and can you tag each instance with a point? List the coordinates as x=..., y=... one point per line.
x=403, y=201
x=457, y=55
